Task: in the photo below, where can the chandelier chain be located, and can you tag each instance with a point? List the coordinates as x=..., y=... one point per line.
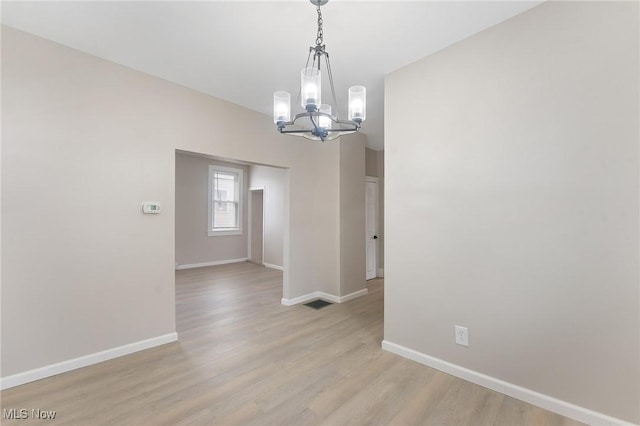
x=320, y=33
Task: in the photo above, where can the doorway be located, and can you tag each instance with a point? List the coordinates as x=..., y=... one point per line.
x=256, y=226
x=371, y=224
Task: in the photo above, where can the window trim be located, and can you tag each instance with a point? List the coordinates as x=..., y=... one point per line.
x=234, y=231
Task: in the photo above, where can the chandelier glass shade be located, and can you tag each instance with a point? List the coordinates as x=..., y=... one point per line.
x=318, y=121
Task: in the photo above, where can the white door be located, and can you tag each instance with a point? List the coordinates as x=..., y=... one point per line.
x=371, y=223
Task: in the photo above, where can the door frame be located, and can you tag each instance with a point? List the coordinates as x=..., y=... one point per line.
x=373, y=179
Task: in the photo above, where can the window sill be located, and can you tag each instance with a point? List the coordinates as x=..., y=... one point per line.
x=224, y=233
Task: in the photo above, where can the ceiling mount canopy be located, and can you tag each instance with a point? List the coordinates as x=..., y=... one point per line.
x=318, y=121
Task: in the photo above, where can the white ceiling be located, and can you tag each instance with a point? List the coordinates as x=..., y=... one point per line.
x=244, y=51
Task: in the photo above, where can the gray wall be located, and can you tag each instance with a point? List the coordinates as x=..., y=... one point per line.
x=275, y=183
x=193, y=244
x=512, y=204
x=91, y=141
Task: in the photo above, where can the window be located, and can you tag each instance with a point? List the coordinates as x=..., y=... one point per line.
x=225, y=201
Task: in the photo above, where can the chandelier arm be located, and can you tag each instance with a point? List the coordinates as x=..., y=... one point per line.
x=315, y=126
x=294, y=131
x=345, y=127
x=341, y=131
x=306, y=65
x=333, y=89
x=321, y=114
x=317, y=130
x=355, y=124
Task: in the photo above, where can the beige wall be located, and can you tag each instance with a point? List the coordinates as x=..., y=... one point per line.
x=275, y=182
x=512, y=204
x=90, y=141
x=193, y=244
x=327, y=211
x=352, y=215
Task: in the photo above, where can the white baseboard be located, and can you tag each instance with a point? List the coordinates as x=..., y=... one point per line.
x=325, y=296
x=84, y=361
x=532, y=397
x=272, y=266
x=215, y=263
x=300, y=299
x=353, y=295
x=380, y=273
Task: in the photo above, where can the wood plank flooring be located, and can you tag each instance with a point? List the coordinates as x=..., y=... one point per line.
x=245, y=359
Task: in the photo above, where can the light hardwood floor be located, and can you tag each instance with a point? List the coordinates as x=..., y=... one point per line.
x=243, y=358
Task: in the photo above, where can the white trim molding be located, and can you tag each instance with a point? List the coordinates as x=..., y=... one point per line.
x=211, y=232
x=84, y=361
x=351, y=296
x=527, y=395
x=215, y=263
x=380, y=272
x=323, y=295
x=272, y=266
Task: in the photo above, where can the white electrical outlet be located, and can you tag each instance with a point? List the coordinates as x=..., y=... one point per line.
x=462, y=336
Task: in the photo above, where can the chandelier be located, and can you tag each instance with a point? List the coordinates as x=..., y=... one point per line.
x=317, y=121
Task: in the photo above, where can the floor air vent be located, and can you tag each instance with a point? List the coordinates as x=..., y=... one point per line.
x=318, y=304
